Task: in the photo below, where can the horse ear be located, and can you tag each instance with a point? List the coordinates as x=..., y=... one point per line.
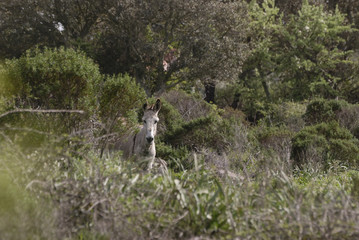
x=158, y=105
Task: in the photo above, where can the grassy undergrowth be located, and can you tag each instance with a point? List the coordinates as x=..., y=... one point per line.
x=80, y=196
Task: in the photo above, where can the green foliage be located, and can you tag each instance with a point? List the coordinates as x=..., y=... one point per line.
x=287, y=114
x=177, y=158
x=345, y=114
x=193, y=123
x=323, y=143
x=227, y=179
x=183, y=130
x=119, y=97
x=310, y=43
x=7, y=90
x=54, y=78
x=322, y=110
x=170, y=117
x=298, y=58
x=57, y=78
x=348, y=117
x=273, y=135
x=105, y=199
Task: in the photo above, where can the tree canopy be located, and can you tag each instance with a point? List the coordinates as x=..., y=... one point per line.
x=277, y=49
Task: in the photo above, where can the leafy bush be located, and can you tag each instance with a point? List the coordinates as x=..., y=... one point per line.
x=54, y=78
x=275, y=140
x=323, y=143
x=177, y=158
x=57, y=78
x=225, y=95
x=347, y=115
x=286, y=114
x=322, y=110
x=188, y=106
x=193, y=123
x=119, y=99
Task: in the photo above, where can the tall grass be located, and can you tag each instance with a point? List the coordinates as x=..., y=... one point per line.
x=57, y=193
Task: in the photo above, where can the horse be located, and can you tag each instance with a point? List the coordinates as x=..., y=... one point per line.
x=142, y=144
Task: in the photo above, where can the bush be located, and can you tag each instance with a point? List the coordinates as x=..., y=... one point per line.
x=288, y=114
x=120, y=96
x=194, y=123
x=346, y=114
x=275, y=140
x=188, y=106
x=57, y=78
x=322, y=110
x=177, y=158
x=323, y=143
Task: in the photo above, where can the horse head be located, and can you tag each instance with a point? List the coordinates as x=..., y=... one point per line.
x=150, y=120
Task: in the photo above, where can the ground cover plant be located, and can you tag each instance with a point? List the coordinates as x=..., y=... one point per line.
x=258, y=124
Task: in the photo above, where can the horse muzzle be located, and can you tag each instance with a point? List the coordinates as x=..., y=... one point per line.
x=149, y=139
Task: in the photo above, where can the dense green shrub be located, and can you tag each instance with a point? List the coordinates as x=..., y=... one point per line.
x=284, y=115
x=323, y=143
x=196, y=133
x=57, y=78
x=6, y=90
x=189, y=106
x=322, y=110
x=347, y=115
x=191, y=122
x=177, y=158
x=119, y=97
x=119, y=100
x=169, y=116
x=273, y=136
x=225, y=96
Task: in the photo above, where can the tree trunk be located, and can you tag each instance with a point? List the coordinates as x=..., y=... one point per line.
x=266, y=90
x=235, y=103
x=264, y=83
x=210, y=89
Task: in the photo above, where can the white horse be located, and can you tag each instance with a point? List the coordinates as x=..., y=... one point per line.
x=142, y=144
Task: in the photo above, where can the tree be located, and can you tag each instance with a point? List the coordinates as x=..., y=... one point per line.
x=52, y=23
x=311, y=60
x=298, y=58
x=22, y=25
x=254, y=80
x=204, y=37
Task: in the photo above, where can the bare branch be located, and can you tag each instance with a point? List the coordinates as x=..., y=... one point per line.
x=41, y=111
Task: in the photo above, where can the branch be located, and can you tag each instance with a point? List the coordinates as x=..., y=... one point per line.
x=41, y=111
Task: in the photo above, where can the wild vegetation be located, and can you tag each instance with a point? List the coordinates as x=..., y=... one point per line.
x=259, y=123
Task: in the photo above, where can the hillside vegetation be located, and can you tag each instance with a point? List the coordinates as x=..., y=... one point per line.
x=259, y=123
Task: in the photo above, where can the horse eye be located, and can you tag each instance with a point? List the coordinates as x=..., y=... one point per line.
x=156, y=122
x=144, y=121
